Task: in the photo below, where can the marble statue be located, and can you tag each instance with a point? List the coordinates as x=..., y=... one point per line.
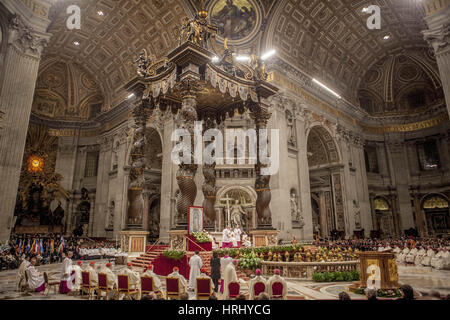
x=236, y=213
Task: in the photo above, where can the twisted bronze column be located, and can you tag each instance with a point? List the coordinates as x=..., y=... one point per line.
x=186, y=171
x=209, y=184
x=261, y=116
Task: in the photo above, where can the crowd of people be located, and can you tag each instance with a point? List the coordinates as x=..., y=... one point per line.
x=49, y=249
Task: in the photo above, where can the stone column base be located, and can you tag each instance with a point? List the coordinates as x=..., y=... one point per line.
x=178, y=239
x=263, y=238
x=133, y=242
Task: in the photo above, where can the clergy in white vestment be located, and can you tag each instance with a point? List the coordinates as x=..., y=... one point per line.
x=444, y=262
x=203, y=275
x=258, y=278
x=111, y=278
x=149, y=273
x=195, y=264
x=229, y=276
x=233, y=239
x=276, y=278
x=181, y=278
x=224, y=262
x=134, y=278
x=237, y=233
x=36, y=281
x=419, y=256
x=426, y=261
x=65, y=283
x=411, y=256
x=402, y=256
x=93, y=276
x=246, y=241
x=77, y=276
x=226, y=238
x=21, y=272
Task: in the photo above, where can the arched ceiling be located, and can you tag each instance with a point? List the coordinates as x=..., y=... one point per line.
x=109, y=43
x=66, y=91
x=330, y=40
x=321, y=147
x=401, y=83
x=326, y=39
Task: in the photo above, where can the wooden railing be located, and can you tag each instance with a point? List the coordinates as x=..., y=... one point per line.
x=305, y=270
x=195, y=243
x=155, y=243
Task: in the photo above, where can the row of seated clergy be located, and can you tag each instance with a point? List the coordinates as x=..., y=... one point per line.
x=422, y=257
x=259, y=284
x=112, y=278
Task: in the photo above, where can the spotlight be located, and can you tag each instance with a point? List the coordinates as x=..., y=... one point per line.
x=267, y=55
x=100, y=13
x=215, y=59
x=130, y=96
x=76, y=43
x=387, y=37
x=242, y=58
x=325, y=87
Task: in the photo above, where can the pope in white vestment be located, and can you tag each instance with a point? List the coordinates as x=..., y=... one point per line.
x=36, y=281
x=258, y=278
x=181, y=279
x=229, y=276
x=21, y=272
x=195, y=264
x=277, y=278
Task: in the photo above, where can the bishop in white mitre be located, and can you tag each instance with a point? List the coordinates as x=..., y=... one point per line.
x=255, y=280
x=411, y=256
x=419, y=256
x=426, y=261
x=195, y=264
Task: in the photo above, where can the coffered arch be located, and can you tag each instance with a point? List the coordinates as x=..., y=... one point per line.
x=321, y=147
x=330, y=41
x=108, y=44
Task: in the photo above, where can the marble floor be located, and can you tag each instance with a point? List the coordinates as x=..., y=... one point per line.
x=422, y=279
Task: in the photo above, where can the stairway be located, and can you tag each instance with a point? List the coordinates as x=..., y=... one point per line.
x=147, y=258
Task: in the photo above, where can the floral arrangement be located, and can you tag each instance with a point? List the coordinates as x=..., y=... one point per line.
x=391, y=293
x=201, y=237
x=336, y=276
x=249, y=261
x=174, y=254
x=264, y=250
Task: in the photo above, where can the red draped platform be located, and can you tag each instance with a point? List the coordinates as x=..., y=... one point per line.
x=163, y=266
x=197, y=246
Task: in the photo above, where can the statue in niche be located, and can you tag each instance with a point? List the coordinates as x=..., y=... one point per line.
x=296, y=213
x=111, y=215
x=84, y=194
x=290, y=126
x=236, y=214
x=357, y=214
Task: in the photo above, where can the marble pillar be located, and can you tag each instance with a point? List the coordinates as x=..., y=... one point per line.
x=17, y=83
x=438, y=36
x=303, y=177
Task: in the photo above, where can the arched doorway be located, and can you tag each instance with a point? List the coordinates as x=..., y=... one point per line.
x=437, y=217
x=325, y=182
x=383, y=214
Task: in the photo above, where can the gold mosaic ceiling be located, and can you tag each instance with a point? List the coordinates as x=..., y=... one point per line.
x=328, y=40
